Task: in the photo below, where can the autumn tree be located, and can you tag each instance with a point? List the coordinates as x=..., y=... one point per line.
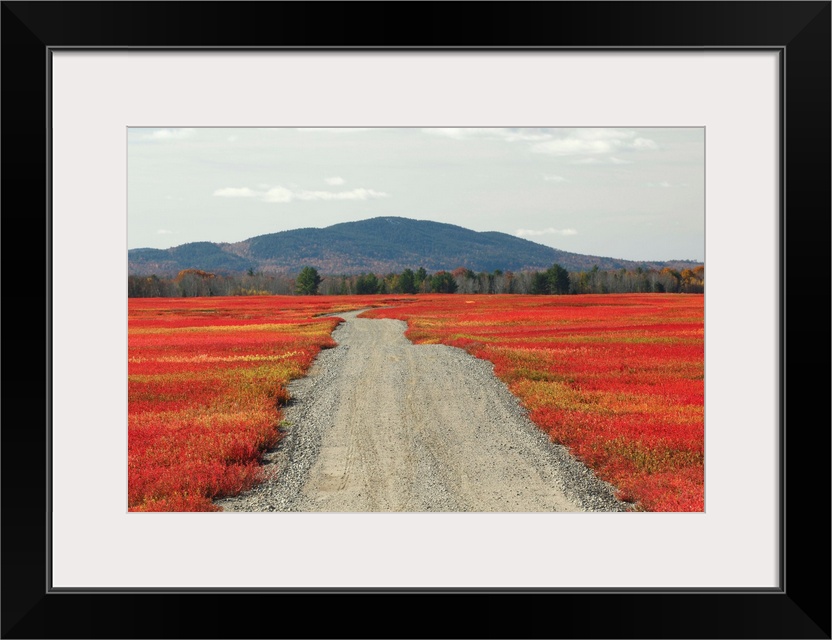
x=194, y=282
x=671, y=279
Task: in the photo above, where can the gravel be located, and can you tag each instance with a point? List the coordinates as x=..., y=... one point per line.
x=381, y=424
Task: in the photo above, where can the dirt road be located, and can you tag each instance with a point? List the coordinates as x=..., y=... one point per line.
x=381, y=424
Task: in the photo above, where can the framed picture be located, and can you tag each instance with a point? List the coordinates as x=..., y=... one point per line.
x=755, y=75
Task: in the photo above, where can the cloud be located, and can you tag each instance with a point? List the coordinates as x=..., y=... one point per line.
x=491, y=133
x=594, y=160
x=282, y=194
x=664, y=184
x=644, y=144
x=355, y=194
x=277, y=194
x=554, y=178
x=583, y=146
x=164, y=232
x=234, y=192
x=335, y=181
x=335, y=129
x=170, y=134
x=524, y=233
x=594, y=142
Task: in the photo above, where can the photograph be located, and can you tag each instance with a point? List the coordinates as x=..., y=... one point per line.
x=355, y=305
x=499, y=319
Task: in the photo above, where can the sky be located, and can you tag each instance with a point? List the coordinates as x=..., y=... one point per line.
x=629, y=193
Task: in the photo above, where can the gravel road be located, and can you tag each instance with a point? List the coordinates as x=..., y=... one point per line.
x=381, y=424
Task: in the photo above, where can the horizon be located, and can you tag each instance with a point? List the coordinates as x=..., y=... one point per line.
x=628, y=193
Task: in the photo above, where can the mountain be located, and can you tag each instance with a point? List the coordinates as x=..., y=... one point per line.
x=378, y=245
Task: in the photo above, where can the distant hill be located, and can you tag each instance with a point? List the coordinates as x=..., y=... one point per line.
x=377, y=245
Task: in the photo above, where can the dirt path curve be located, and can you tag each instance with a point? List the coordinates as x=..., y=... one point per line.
x=381, y=424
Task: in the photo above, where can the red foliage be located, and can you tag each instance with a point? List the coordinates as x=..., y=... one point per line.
x=206, y=379
x=619, y=379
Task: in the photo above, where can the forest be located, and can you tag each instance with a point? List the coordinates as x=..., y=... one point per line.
x=553, y=281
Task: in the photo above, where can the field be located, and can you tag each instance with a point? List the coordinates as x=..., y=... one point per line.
x=206, y=380
x=619, y=379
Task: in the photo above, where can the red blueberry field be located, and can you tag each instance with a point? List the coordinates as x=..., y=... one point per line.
x=619, y=379
x=206, y=379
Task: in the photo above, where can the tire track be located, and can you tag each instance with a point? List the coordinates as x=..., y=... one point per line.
x=381, y=424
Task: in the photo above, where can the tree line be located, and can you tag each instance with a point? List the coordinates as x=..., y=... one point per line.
x=553, y=281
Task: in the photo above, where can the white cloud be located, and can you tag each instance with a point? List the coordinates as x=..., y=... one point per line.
x=643, y=144
x=170, y=134
x=596, y=160
x=277, y=194
x=235, y=192
x=282, y=194
x=554, y=178
x=335, y=129
x=594, y=142
x=164, y=232
x=492, y=133
x=584, y=145
x=664, y=184
x=524, y=233
x=355, y=194
x=573, y=147
x=233, y=138
x=335, y=181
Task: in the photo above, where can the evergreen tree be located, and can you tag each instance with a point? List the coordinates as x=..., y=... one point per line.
x=539, y=284
x=407, y=282
x=307, y=282
x=367, y=283
x=558, y=278
x=443, y=282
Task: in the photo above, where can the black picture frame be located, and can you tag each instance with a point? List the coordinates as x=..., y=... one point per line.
x=799, y=608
